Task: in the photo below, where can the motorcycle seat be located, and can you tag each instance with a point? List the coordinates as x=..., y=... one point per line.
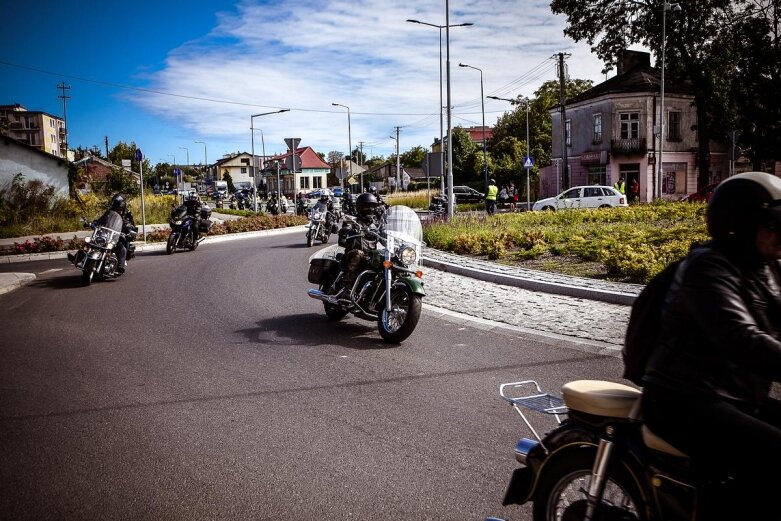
x=600, y=398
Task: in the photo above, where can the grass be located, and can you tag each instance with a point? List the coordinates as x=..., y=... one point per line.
x=622, y=244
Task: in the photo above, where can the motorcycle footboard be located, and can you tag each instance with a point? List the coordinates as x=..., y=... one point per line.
x=519, y=488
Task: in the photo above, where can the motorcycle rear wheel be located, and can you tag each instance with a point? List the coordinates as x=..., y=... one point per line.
x=399, y=322
x=170, y=246
x=562, y=492
x=88, y=273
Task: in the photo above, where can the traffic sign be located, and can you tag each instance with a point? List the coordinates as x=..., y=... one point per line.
x=139, y=155
x=528, y=162
x=292, y=142
x=289, y=163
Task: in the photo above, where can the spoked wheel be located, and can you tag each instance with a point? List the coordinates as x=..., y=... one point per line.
x=562, y=493
x=171, y=244
x=88, y=273
x=398, y=322
x=310, y=237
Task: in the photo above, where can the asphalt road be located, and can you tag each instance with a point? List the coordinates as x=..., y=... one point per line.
x=207, y=385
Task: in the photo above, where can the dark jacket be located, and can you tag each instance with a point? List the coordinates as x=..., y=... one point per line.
x=721, y=334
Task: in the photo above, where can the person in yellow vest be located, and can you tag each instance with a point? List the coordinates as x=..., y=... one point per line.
x=620, y=185
x=490, y=197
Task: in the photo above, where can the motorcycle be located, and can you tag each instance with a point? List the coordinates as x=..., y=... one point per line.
x=272, y=206
x=183, y=230
x=438, y=206
x=322, y=224
x=97, y=259
x=600, y=462
x=388, y=288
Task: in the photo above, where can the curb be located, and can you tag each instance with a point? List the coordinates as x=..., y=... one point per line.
x=11, y=281
x=611, y=297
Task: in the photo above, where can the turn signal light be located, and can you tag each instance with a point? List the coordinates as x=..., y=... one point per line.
x=386, y=263
x=419, y=274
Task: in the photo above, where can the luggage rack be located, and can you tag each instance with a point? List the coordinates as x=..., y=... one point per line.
x=537, y=401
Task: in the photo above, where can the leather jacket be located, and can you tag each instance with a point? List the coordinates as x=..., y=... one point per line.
x=721, y=331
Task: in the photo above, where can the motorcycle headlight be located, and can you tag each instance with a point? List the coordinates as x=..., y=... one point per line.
x=178, y=223
x=110, y=245
x=87, y=239
x=407, y=255
x=317, y=216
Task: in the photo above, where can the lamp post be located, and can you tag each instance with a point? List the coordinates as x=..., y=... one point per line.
x=526, y=102
x=252, y=133
x=441, y=106
x=349, y=144
x=181, y=176
x=205, y=161
x=660, y=172
x=482, y=105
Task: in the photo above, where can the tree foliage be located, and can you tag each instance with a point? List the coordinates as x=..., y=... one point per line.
x=463, y=157
x=413, y=157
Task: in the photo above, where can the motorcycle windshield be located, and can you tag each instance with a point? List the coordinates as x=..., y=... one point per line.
x=401, y=225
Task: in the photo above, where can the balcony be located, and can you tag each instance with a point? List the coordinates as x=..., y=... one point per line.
x=628, y=147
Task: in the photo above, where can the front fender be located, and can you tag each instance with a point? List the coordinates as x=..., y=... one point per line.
x=414, y=284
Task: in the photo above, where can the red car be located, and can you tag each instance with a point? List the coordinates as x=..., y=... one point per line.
x=702, y=195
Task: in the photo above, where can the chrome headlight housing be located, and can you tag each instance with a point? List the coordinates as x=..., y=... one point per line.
x=178, y=223
x=407, y=255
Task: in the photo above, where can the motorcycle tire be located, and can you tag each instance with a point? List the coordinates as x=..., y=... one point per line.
x=325, y=237
x=399, y=323
x=89, y=272
x=310, y=238
x=170, y=246
x=562, y=491
x=193, y=243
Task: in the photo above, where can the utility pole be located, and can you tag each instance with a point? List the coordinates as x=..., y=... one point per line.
x=398, y=161
x=106, y=139
x=360, y=144
x=63, y=97
x=565, y=180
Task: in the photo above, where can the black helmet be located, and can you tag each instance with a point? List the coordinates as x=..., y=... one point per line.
x=118, y=203
x=365, y=204
x=740, y=205
x=373, y=190
x=324, y=197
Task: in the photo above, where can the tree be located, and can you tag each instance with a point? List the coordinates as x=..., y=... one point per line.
x=413, y=157
x=463, y=157
x=693, y=48
x=228, y=179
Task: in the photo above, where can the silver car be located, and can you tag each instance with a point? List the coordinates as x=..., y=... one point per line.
x=583, y=197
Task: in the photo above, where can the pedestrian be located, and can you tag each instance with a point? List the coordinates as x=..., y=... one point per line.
x=634, y=191
x=503, y=196
x=490, y=197
x=513, y=195
x=620, y=185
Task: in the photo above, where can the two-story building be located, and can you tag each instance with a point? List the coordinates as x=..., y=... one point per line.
x=612, y=133
x=311, y=172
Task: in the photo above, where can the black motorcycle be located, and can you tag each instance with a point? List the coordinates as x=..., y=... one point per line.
x=98, y=260
x=387, y=286
x=600, y=462
x=183, y=229
x=438, y=206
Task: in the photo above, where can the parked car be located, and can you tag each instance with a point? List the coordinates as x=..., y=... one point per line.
x=337, y=191
x=466, y=194
x=702, y=195
x=583, y=197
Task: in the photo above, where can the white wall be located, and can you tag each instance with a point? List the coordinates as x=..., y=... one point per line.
x=17, y=158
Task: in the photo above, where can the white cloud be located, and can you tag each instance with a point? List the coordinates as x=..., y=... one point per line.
x=305, y=55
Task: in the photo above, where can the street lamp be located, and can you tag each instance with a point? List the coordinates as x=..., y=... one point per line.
x=205, y=161
x=658, y=183
x=350, y=145
x=441, y=105
x=526, y=102
x=252, y=131
x=482, y=104
x=181, y=176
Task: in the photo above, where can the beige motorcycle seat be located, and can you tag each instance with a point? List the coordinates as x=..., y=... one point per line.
x=601, y=398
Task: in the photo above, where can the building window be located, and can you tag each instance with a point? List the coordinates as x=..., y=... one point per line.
x=674, y=126
x=317, y=182
x=304, y=182
x=597, y=128
x=243, y=169
x=568, y=132
x=630, y=125
x=244, y=160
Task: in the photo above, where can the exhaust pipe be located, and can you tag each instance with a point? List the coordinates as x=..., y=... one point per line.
x=319, y=295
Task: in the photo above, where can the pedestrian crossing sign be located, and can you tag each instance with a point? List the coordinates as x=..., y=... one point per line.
x=528, y=161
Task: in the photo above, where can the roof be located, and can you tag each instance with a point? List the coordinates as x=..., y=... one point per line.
x=309, y=158
x=97, y=168
x=15, y=142
x=641, y=78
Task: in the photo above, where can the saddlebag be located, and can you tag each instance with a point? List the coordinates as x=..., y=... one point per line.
x=206, y=212
x=319, y=269
x=205, y=225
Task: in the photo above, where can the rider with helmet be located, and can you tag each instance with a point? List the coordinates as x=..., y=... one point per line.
x=357, y=237
x=193, y=208
x=326, y=204
x=709, y=380
x=119, y=219
x=381, y=205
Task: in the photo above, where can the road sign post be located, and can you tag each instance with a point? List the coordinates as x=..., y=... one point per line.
x=528, y=162
x=140, y=159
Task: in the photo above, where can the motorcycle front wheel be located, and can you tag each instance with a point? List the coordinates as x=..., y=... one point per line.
x=398, y=322
x=171, y=244
x=88, y=273
x=193, y=242
x=310, y=238
x=562, y=492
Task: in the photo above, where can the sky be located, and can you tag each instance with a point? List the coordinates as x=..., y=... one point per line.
x=169, y=74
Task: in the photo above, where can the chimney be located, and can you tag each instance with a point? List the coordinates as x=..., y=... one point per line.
x=628, y=60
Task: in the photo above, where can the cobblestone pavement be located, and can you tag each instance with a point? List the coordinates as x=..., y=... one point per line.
x=570, y=316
